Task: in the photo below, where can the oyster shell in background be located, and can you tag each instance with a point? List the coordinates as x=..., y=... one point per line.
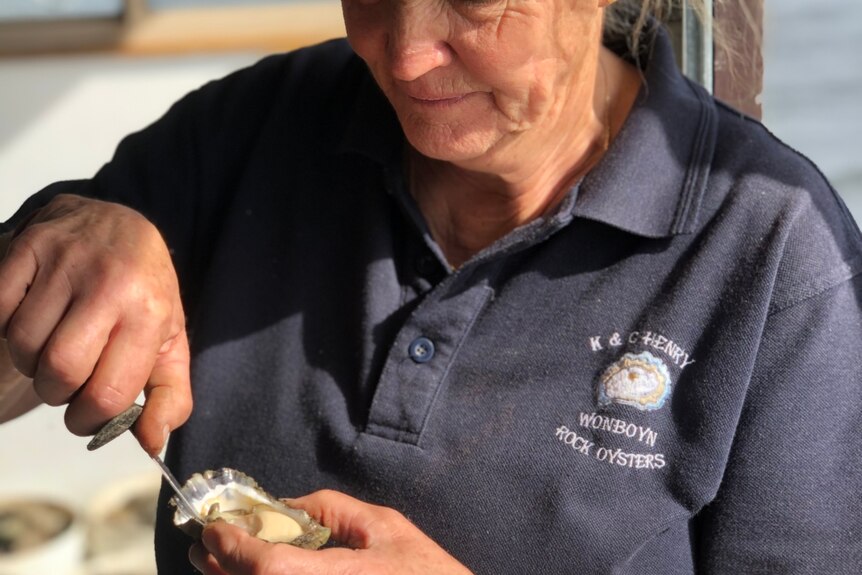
x=236, y=498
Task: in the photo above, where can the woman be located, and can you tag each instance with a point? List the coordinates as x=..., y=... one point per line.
x=551, y=308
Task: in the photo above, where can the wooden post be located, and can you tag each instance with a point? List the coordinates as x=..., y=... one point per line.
x=738, y=71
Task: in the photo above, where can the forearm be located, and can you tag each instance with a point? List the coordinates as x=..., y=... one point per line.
x=16, y=390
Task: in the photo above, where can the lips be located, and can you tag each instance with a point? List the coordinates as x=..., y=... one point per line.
x=431, y=97
x=423, y=92
x=439, y=101
x=436, y=96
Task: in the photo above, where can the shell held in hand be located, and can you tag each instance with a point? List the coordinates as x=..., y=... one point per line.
x=236, y=498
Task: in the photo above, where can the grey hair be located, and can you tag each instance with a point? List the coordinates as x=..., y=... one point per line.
x=627, y=22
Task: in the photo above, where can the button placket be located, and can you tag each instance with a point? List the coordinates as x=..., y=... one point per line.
x=419, y=361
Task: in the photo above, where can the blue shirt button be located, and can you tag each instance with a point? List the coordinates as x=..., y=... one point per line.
x=421, y=350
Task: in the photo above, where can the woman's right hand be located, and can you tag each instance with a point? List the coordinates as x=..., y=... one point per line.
x=90, y=310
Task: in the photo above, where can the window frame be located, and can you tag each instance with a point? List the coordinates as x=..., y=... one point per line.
x=141, y=31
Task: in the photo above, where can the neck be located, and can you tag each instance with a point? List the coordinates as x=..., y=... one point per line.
x=468, y=211
x=469, y=207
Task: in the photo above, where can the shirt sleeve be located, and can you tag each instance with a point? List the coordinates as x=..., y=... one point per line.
x=153, y=171
x=181, y=171
x=790, y=498
x=184, y=171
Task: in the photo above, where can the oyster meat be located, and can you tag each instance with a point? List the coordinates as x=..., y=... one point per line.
x=232, y=496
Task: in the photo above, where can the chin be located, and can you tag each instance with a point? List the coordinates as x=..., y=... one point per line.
x=450, y=145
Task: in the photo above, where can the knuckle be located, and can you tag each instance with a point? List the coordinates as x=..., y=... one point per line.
x=39, y=243
x=27, y=241
x=142, y=296
x=72, y=252
x=10, y=300
x=108, y=401
x=326, y=494
x=134, y=300
x=154, y=308
x=389, y=516
x=23, y=349
x=52, y=391
x=61, y=364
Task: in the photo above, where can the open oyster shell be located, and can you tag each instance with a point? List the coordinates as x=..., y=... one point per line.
x=236, y=498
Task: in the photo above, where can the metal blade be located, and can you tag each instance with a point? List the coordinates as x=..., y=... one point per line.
x=118, y=426
x=181, y=499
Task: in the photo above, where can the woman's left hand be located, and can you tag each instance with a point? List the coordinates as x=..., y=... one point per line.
x=379, y=540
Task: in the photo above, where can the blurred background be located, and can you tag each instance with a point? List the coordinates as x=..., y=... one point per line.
x=77, y=75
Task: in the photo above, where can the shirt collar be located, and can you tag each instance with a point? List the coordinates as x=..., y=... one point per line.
x=651, y=179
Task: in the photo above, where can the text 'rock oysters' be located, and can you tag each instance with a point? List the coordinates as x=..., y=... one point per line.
x=236, y=498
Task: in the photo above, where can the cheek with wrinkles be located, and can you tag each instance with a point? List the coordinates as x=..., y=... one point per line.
x=511, y=55
x=526, y=101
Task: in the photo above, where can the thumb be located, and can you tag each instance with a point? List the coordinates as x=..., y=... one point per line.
x=236, y=552
x=354, y=523
x=168, y=392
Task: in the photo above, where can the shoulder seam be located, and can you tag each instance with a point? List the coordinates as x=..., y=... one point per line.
x=817, y=285
x=848, y=217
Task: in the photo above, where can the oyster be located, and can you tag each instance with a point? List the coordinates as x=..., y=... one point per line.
x=236, y=498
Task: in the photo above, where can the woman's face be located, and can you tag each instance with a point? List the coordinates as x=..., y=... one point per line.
x=472, y=78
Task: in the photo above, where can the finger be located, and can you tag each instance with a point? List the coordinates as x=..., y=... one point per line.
x=379, y=535
x=353, y=522
x=203, y=561
x=169, y=398
x=35, y=300
x=32, y=323
x=17, y=269
x=122, y=371
x=69, y=358
x=239, y=553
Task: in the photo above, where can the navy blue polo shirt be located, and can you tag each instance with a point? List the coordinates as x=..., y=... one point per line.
x=662, y=376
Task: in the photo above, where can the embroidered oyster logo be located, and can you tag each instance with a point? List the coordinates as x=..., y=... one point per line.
x=639, y=380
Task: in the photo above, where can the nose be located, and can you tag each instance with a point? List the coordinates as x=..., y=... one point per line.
x=417, y=40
